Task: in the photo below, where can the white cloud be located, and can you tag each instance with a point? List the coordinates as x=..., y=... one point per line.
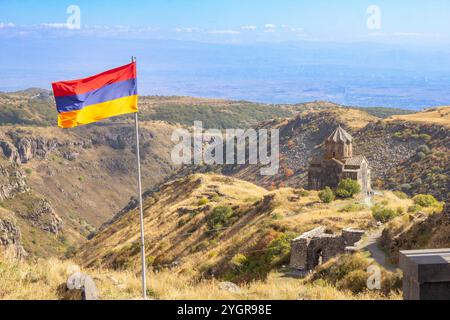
x=187, y=29
x=55, y=25
x=296, y=29
x=4, y=25
x=269, y=27
x=248, y=27
x=224, y=32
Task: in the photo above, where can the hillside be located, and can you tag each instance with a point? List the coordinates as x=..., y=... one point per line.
x=438, y=116
x=82, y=175
x=215, y=221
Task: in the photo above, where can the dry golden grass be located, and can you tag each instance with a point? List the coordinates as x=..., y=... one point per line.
x=353, y=118
x=44, y=280
x=438, y=115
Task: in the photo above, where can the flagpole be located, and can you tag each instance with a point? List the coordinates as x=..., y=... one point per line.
x=141, y=210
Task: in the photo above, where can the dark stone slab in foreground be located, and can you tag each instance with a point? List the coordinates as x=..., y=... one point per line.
x=426, y=274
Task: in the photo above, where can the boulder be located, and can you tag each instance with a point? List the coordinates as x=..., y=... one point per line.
x=230, y=287
x=26, y=149
x=81, y=286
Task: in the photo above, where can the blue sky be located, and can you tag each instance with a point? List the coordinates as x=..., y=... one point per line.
x=276, y=51
x=234, y=20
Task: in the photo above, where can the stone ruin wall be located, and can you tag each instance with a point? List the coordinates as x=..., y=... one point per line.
x=315, y=247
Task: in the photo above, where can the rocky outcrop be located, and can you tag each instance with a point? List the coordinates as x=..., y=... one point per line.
x=10, y=151
x=10, y=238
x=12, y=181
x=26, y=148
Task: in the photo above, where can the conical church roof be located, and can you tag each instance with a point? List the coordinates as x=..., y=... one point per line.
x=340, y=135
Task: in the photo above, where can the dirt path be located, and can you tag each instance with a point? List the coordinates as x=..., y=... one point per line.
x=370, y=243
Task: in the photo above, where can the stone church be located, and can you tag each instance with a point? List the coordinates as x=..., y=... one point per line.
x=338, y=163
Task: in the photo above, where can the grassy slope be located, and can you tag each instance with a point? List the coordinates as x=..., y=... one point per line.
x=438, y=115
x=260, y=220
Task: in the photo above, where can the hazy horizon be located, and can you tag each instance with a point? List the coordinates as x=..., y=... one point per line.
x=387, y=54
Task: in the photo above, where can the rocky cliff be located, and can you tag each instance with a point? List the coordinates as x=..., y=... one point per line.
x=10, y=236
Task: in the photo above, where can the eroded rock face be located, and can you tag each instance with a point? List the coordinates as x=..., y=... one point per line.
x=10, y=238
x=10, y=151
x=44, y=217
x=12, y=181
x=23, y=149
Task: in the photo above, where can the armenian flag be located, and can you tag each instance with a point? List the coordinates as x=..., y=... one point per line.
x=108, y=94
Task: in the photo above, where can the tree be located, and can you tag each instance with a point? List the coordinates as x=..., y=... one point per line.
x=347, y=188
x=326, y=195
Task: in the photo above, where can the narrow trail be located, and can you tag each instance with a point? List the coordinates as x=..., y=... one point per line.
x=370, y=243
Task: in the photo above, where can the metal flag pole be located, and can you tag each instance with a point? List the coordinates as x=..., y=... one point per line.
x=141, y=210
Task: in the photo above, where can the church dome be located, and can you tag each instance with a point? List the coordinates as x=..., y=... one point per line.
x=340, y=135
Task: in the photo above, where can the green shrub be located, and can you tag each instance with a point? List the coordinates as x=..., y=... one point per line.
x=337, y=269
x=70, y=252
x=420, y=156
x=355, y=281
x=352, y=207
x=424, y=149
x=259, y=264
x=326, y=195
x=219, y=217
x=405, y=187
x=28, y=171
x=347, y=188
x=401, y=195
x=181, y=222
x=238, y=261
x=150, y=260
x=383, y=214
x=302, y=192
x=425, y=200
x=414, y=208
x=203, y=201
x=279, y=249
